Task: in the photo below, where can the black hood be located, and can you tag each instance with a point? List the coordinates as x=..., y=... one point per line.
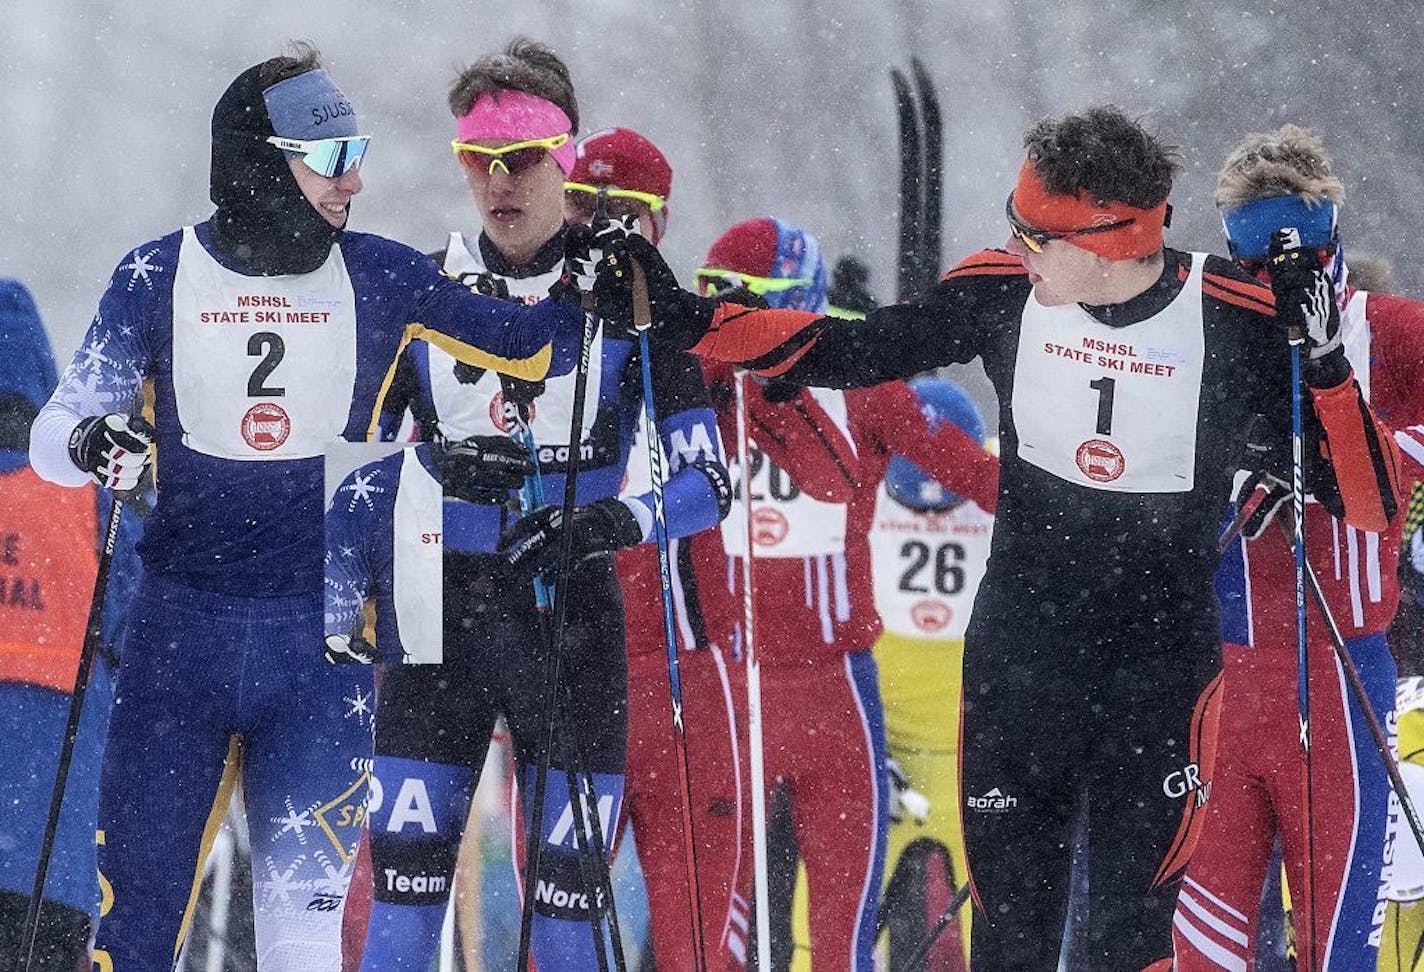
x=263, y=222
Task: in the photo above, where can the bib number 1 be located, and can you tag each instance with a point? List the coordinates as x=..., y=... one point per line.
x=1105, y=387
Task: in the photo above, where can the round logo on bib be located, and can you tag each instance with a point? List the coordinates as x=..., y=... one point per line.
x=769, y=527
x=931, y=617
x=1100, y=460
x=266, y=426
x=503, y=416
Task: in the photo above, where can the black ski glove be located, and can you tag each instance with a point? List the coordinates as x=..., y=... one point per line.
x=483, y=468
x=587, y=251
x=679, y=318
x=1305, y=303
x=114, y=449
x=531, y=546
x=341, y=650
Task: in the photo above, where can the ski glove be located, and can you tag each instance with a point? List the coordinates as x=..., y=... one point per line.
x=1305, y=304
x=114, y=449
x=679, y=318
x=588, y=248
x=532, y=545
x=341, y=650
x=483, y=468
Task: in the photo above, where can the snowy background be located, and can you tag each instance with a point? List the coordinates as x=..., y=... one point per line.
x=763, y=107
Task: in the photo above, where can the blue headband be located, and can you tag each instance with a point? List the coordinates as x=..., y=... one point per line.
x=308, y=107
x=1249, y=226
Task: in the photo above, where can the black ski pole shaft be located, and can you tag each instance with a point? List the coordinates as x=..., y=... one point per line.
x=587, y=802
x=93, y=635
x=553, y=663
x=911, y=238
x=922, y=950
x=531, y=497
x=932, y=127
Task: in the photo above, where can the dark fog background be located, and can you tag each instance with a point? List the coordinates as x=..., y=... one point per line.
x=779, y=106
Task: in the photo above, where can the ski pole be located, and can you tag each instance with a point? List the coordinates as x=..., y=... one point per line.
x=93, y=634
x=754, y=713
x=1296, y=339
x=922, y=950
x=642, y=322
x=531, y=498
x=1357, y=686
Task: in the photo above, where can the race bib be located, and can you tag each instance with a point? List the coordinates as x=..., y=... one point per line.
x=927, y=567
x=785, y=521
x=263, y=367
x=1112, y=408
x=416, y=587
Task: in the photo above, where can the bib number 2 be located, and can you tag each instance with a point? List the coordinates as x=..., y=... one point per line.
x=271, y=349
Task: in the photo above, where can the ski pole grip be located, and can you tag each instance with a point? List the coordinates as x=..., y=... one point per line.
x=642, y=307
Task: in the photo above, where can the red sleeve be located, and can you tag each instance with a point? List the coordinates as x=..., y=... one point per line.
x=768, y=341
x=947, y=453
x=802, y=439
x=1362, y=452
x=1397, y=358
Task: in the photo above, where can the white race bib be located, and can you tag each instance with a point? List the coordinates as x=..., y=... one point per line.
x=1112, y=408
x=785, y=521
x=927, y=566
x=478, y=409
x=263, y=367
x=416, y=585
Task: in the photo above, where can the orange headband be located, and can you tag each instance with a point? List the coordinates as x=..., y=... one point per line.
x=1056, y=213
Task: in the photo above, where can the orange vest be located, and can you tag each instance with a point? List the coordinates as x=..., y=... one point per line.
x=48, y=561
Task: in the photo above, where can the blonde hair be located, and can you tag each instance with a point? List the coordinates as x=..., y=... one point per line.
x=1290, y=161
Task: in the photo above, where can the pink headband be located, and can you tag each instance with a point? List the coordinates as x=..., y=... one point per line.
x=521, y=117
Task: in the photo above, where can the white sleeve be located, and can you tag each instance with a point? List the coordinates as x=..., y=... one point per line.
x=49, y=445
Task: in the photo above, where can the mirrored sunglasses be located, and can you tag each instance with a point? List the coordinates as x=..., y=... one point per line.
x=328, y=157
x=1036, y=239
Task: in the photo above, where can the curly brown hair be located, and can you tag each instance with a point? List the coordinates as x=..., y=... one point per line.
x=1105, y=153
x=524, y=65
x=1290, y=161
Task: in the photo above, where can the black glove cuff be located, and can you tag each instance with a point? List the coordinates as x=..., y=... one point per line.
x=1327, y=371
x=623, y=528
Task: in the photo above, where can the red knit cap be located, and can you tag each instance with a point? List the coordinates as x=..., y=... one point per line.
x=622, y=158
x=748, y=247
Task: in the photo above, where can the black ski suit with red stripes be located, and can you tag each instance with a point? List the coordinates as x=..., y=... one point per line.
x=1092, y=656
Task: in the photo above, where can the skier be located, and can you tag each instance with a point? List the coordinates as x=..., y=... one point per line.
x=1127, y=375
x=48, y=556
x=1333, y=837
x=813, y=593
x=929, y=548
x=515, y=114
x=268, y=331
x=636, y=181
